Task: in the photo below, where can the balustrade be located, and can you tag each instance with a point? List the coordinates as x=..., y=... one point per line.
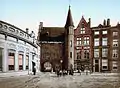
x=14, y=31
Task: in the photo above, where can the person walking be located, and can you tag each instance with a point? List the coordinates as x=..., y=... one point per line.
x=34, y=71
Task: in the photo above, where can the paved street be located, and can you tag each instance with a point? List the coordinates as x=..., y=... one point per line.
x=50, y=80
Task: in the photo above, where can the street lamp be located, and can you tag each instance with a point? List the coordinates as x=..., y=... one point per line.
x=61, y=61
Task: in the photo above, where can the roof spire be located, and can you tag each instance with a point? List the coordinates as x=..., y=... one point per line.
x=69, y=6
x=69, y=21
x=82, y=16
x=69, y=3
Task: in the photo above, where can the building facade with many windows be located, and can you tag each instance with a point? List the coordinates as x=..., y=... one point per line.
x=18, y=49
x=106, y=47
x=85, y=47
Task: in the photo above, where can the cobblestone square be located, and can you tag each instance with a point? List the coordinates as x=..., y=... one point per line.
x=50, y=80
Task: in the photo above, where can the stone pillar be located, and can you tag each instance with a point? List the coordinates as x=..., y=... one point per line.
x=5, y=58
x=24, y=60
x=94, y=65
x=16, y=59
x=100, y=64
x=30, y=63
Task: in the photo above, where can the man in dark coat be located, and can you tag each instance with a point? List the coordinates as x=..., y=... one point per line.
x=34, y=71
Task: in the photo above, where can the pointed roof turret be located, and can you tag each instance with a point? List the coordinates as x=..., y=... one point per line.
x=69, y=21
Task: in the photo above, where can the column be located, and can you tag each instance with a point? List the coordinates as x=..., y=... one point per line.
x=16, y=60
x=5, y=58
x=94, y=65
x=24, y=60
x=100, y=66
x=30, y=63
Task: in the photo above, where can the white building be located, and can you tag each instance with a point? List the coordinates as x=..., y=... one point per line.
x=18, y=49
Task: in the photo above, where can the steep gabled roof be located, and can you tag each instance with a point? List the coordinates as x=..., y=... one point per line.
x=69, y=21
x=82, y=21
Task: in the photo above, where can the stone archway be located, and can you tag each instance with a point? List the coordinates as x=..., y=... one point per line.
x=47, y=66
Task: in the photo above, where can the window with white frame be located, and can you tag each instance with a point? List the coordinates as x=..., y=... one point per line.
x=70, y=54
x=104, y=64
x=79, y=41
x=86, y=54
x=78, y=54
x=96, y=52
x=96, y=42
x=86, y=41
x=115, y=42
x=87, y=47
x=78, y=38
x=104, y=41
x=96, y=33
x=71, y=43
x=115, y=53
x=104, y=32
x=82, y=31
x=115, y=33
x=104, y=52
x=77, y=48
x=114, y=65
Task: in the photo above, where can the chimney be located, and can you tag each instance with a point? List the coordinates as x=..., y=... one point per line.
x=89, y=21
x=27, y=30
x=104, y=23
x=41, y=25
x=39, y=30
x=117, y=23
x=108, y=22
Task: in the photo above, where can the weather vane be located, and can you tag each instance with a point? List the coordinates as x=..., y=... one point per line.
x=69, y=2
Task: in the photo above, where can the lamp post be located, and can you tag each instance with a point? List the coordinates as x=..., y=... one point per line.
x=61, y=61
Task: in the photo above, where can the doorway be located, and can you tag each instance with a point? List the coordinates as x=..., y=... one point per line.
x=96, y=65
x=33, y=65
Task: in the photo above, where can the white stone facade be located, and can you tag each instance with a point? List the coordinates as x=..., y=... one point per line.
x=18, y=50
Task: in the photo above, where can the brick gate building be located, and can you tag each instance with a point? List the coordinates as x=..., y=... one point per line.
x=57, y=45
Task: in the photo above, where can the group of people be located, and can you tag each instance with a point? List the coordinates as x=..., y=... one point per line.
x=86, y=71
x=64, y=72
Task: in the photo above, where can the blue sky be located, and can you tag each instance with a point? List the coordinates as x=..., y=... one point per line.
x=28, y=13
